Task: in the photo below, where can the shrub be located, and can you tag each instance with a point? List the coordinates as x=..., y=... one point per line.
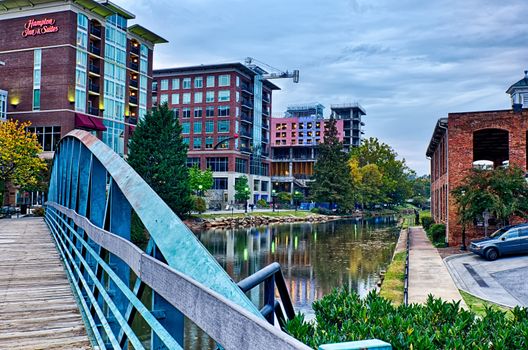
x=437, y=232
x=315, y=210
x=39, y=211
x=199, y=204
x=342, y=316
x=322, y=211
x=261, y=203
x=427, y=221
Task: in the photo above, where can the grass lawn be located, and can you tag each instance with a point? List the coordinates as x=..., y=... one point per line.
x=298, y=214
x=478, y=305
x=392, y=286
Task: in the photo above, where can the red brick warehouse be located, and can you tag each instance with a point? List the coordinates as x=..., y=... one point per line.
x=464, y=138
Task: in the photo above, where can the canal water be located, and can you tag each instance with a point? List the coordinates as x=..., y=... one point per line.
x=315, y=258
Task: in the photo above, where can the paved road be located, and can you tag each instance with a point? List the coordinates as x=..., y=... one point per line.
x=427, y=272
x=503, y=281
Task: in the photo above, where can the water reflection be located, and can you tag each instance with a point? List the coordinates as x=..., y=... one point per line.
x=315, y=258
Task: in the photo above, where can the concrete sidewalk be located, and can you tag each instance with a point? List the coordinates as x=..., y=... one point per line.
x=427, y=272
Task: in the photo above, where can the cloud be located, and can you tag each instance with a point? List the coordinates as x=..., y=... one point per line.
x=408, y=62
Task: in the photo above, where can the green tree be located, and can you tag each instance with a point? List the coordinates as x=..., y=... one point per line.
x=200, y=180
x=332, y=182
x=395, y=186
x=20, y=164
x=503, y=192
x=242, y=189
x=158, y=154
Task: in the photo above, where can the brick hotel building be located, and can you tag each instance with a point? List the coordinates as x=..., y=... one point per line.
x=227, y=106
x=74, y=64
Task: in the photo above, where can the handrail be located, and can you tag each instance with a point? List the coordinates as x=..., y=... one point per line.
x=229, y=324
x=406, y=272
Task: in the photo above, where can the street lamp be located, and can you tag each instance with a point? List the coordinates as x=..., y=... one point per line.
x=463, y=212
x=296, y=199
x=247, y=197
x=273, y=195
x=200, y=192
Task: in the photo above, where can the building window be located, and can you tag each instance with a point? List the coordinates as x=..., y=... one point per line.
x=186, y=127
x=222, y=143
x=198, y=97
x=197, y=128
x=198, y=112
x=256, y=185
x=224, y=80
x=210, y=81
x=209, y=142
x=3, y=105
x=237, y=81
x=223, y=95
x=209, y=112
x=219, y=183
x=241, y=165
x=187, y=83
x=209, y=96
x=175, y=84
x=238, y=96
x=223, y=111
x=198, y=82
x=164, y=84
x=48, y=136
x=186, y=141
x=223, y=126
x=217, y=163
x=154, y=100
x=209, y=127
x=264, y=186
x=176, y=112
x=36, y=99
x=187, y=98
x=186, y=113
x=175, y=99
x=193, y=161
x=37, y=64
x=197, y=143
x=164, y=98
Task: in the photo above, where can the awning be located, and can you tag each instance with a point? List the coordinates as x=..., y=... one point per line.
x=83, y=121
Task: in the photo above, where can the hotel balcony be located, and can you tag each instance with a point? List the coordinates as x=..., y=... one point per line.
x=246, y=133
x=246, y=89
x=247, y=104
x=93, y=111
x=245, y=149
x=93, y=88
x=133, y=83
x=94, y=69
x=94, y=50
x=246, y=118
x=133, y=100
x=95, y=31
x=133, y=66
x=134, y=50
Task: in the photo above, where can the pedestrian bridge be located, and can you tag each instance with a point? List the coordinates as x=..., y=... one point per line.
x=92, y=298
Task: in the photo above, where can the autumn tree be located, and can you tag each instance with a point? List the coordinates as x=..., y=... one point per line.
x=332, y=182
x=20, y=164
x=394, y=186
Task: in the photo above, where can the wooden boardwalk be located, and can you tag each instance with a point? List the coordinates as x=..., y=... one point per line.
x=37, y=307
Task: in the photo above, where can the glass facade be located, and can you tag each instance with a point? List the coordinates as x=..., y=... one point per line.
x=143, y=80
x=115, y=81
x=3, y=105
x=81, y=63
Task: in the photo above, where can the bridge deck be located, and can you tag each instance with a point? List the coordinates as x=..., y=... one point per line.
x=37, y=307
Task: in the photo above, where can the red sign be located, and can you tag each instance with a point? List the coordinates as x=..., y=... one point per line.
x=35, y=27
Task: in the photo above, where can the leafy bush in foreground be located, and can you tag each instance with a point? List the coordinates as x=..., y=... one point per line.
x=342, y=316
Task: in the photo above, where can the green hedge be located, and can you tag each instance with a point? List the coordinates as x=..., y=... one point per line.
x=437, y=232
x=427, y=221
x=342, y=316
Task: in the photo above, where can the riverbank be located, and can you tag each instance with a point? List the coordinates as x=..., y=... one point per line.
x=208, y=221
x=392, y=282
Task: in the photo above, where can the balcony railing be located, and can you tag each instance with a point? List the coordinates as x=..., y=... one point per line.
x=245, y=149
x=93, y=87
x=245, y=133
x=134, y=49
x=94, y=69
x=93, y=111
x=133, y=66
x=133, y=83
x=95, y=31
x=265, y=99
x=133, y=99
x=245, y=88
x=247, y=104
x=246, y=117
x=95, y=50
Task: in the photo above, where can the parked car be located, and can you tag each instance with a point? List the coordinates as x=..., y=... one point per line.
x=507, y=240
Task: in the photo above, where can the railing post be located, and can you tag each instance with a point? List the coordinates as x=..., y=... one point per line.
x=173, y=319
x=269, y=298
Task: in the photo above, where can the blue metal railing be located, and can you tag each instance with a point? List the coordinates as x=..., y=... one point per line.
x=92, y=195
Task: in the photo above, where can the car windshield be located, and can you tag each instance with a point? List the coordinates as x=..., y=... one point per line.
x=499, y=232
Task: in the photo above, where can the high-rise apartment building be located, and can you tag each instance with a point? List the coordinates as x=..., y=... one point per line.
x=225, y=113
x=294, y=140
x=75, y=64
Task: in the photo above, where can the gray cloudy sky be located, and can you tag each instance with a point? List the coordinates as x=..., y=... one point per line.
x=408, y=62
